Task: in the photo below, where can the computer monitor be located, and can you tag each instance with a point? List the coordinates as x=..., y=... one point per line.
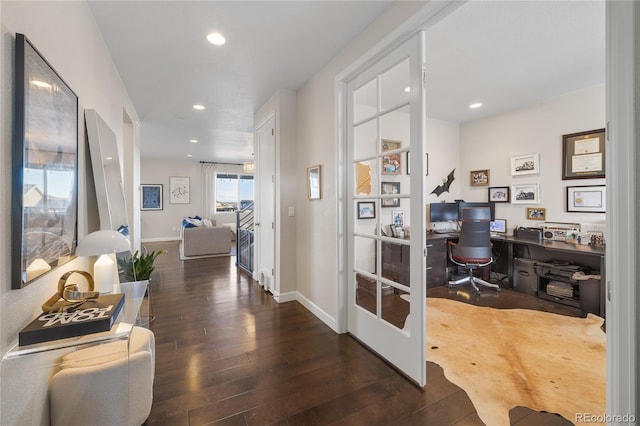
x=463, y=204
x=443, y=212
x=499, y=226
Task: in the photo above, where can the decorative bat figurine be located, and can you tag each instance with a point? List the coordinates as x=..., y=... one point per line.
x=445, y=184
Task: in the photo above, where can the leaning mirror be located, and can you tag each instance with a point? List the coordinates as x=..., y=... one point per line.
x=44, y=204
x=105, y=161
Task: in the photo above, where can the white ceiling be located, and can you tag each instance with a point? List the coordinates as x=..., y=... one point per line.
x=504, y=54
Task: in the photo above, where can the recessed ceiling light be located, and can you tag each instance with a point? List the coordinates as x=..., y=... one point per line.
x=193, y=140
x=216, y=38
x=407, y=89
x=476, y=105
x=198, y=107
x=189, y=155
x=109, y=158
x=41, y=84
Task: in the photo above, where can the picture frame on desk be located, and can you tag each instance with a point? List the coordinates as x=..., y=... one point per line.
x=499, y=194
x=583, y=155
x=586, y=199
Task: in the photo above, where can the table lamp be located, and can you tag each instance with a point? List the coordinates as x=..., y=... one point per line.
x=103, y=243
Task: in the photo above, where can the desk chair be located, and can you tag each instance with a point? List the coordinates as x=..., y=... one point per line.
x=473, y=249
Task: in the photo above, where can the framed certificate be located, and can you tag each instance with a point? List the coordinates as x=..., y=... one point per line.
x=583, y=155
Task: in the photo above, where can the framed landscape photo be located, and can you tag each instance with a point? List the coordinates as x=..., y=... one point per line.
x=387, y=188
x=527, y=193
x=528, y=164
x=499, y=194
x=583, y=155
x=366, y=210
x=536, y=213
x=151, y=197
x=479, y=177
x=588, y=199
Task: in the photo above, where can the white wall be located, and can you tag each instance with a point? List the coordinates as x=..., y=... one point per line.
x=164, y=225
x=65, y=33
x=490, y=143
x=316, y=237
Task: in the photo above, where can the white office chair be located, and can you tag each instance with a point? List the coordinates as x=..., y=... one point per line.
x=91, y=386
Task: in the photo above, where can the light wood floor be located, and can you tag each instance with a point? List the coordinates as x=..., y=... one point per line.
x=227, y=354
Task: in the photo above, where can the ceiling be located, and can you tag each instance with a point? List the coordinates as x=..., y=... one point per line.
x=504, y=54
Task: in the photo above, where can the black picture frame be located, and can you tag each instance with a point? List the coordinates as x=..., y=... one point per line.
x=583, y=155
x=366, y=210
x=499, y=194
x=151, y=197
x=44, y=208
x=387, y=188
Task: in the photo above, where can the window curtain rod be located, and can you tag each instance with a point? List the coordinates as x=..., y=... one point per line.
x=215, y=162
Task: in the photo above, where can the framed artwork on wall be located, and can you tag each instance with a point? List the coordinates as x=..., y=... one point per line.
x=527, y=193
x=178, y=190
x=536, y=213
x=525, y=164
x=499, y=194
x=392, y=163
x=387, y=188
x=479, y=177
x=366, y=210
x=583, y=155
x=313, y=183
x=587, y=199
x=151, y=197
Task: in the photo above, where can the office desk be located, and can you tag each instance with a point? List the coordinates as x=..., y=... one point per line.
x=508, y=248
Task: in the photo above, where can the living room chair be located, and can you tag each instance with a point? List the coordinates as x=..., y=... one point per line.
x=473, y=249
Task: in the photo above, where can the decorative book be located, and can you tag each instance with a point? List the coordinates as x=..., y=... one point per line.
x=93, y=316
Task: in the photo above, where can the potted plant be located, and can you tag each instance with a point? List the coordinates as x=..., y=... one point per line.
x=140, y=265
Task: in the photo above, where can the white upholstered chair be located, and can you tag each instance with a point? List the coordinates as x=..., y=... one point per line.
x=105, y=384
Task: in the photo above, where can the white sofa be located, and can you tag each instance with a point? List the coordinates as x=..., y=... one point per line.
x=205, y=241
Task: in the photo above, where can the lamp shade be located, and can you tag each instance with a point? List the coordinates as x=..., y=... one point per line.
x=103, y=242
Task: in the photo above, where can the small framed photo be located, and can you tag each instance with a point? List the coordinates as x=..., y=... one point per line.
x=499, y=194
x=525, y=164
x=588, y=199
x=391, y=164
x=527, y=193
x=387, y=188
x=366, y=210
x=583, y=155
x=536, y=213
x=408, y=162
x=314, y=191
x=479, y=177
x=398, y=218
x=151, y=197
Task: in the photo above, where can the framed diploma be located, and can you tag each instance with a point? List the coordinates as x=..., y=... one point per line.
x=591, y=199
x=583, y=155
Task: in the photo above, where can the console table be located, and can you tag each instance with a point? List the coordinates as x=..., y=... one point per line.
x=25, y=370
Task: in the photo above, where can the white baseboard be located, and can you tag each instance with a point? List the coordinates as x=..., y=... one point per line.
x=317, y=311
x=286, y=297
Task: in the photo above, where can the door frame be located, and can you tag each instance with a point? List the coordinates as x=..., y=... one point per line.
x=622, y=257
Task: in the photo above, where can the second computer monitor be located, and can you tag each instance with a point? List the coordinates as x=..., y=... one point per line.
x=463, y=204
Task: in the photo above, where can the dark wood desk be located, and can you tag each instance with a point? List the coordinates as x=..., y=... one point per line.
x=508, y=248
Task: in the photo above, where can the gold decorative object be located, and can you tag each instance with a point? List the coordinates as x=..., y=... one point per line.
x=70, y=294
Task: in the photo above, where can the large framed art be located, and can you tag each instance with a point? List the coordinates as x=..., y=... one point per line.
x=44, y=205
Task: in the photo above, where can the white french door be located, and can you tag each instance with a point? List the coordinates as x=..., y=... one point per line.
x=385, y=223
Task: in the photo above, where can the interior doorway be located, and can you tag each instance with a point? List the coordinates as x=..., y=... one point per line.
x=264, y=270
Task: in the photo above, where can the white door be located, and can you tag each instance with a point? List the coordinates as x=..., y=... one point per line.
x=386, y=224
x=265, y=204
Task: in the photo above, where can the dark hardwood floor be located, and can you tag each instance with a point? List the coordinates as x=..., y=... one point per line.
x=227, y=354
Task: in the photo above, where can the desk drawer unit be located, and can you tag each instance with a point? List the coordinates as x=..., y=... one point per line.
x=436, y=262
